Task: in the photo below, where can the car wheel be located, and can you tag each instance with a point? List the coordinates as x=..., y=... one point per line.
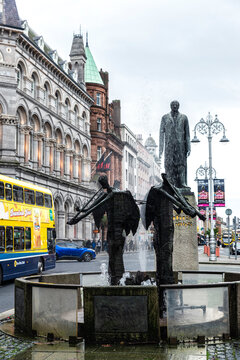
x=40, y=266
x=1, y=276
x=57, y=258
x=87, y=257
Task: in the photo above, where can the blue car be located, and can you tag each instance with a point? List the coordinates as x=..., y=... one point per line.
x=70, y=251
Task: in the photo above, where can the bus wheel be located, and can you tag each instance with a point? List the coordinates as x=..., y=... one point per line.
x=1, y=276
x=40, y=266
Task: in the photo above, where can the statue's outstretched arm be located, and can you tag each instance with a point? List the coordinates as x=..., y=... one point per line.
x=97, y=203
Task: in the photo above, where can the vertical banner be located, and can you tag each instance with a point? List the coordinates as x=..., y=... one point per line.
x=214, y=214
x=219, y=192
x=203, y=197
x=202, y=211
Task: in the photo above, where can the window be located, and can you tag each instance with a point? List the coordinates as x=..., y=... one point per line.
x=28, y=238
x=99, y=124
x=98, y=99
x=17, y=193
x=29, y=196
x=8, y=191
x=48, y=200
x=126, y=175
x=2, y=239
x=18, y=238
x=67, y=106
x=99, y=152
x=19, y=77
x=39, y=198
x=1, y=190
x=34, y=86
x=126, y=154
x=9, y=238
x=46, y=94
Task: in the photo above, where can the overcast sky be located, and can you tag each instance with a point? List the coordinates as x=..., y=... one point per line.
x=156, y=51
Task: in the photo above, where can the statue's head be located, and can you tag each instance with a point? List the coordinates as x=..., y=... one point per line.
x=174, y=105
x=103, y=181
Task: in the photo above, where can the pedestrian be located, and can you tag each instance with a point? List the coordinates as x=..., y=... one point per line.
x=98, y=247
x=88, y=244
x=93, y=244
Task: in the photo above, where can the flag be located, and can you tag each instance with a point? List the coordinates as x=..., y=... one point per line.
x=104, y=163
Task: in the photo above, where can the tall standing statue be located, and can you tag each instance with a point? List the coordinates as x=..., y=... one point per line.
x=123, y=216
x=175, y=138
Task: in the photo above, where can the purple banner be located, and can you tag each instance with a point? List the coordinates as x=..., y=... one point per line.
x=203, y=197
x=219, y=192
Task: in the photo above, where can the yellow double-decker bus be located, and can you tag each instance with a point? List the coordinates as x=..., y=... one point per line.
x=27, y=229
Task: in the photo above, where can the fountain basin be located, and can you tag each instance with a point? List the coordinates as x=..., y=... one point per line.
x=61, y=305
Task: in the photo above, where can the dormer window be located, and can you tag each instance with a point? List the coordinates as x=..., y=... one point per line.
x=54, y=56
x=98, y=99
x=40, y=42
x=64, y=65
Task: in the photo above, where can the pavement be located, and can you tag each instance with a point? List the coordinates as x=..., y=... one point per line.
x=13, y=346
x=222, y=259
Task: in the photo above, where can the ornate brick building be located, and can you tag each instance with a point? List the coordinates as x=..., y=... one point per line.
x=105, y=121
x=45, y=118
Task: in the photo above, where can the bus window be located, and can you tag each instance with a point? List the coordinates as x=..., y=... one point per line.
x=48, y=200
x=18, y=238
x=9, y=238
x=39, y=198
x=1, y=190
x=2, y=239
x=8, y=191
x=17, y=193
x=29, y=196
x=28, y=238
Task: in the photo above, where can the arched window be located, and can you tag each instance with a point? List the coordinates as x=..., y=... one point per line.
x=49, y=150
x=60, y=153
x=19, y=77
x=46, y=93
x=36, y=150
x=69, y=157
x=57, y=101
x=85, y=167
x=34, y=86
x=67, y=108
x=23, y=136
x=76, y=114
x=77, y=162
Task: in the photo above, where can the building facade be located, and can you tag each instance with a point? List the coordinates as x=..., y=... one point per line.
x=105, y=119
x=129, y=163
x=45, y=119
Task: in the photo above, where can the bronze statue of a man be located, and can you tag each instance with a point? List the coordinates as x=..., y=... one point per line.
x=175, y=138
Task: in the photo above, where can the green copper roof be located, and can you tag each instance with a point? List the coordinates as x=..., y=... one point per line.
x=91, y=72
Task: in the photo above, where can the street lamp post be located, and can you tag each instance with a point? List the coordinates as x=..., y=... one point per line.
x=210, y=127
x=204, y=171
